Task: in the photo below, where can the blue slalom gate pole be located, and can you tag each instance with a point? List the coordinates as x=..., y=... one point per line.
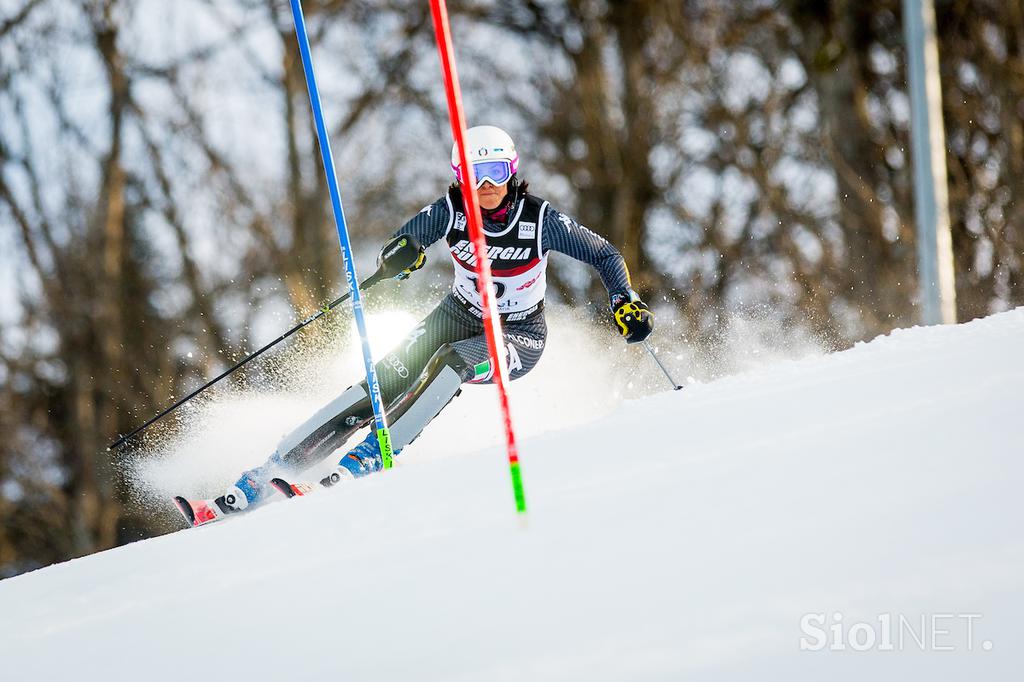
x=348, y=261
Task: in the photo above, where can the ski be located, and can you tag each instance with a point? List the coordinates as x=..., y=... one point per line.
x=199, y=512
x=290, y=490
x=202, y=512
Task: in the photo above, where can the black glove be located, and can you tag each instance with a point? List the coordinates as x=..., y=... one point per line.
x=400, y=256
x=633, y=318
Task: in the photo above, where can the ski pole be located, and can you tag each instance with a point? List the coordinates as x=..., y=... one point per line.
x=370, y=281
x=650, y=350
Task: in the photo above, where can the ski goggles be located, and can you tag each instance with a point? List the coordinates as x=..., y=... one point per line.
x=497, y=173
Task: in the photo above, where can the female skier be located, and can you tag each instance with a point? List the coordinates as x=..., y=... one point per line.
x=448, y=348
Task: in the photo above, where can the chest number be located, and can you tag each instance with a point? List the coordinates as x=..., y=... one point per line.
x=499, y=287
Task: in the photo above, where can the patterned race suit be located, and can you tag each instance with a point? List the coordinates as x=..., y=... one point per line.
x=451, y=338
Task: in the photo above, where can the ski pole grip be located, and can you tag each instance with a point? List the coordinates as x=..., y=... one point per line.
x=399, y=255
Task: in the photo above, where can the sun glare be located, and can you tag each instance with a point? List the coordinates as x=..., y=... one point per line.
x=385, y=329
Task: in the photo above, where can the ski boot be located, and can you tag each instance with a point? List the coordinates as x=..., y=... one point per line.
x=248, y=492
x=361, y=460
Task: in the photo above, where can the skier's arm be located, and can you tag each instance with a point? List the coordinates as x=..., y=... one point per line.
x=563, y=234
x=428, y=225
x=425, y=228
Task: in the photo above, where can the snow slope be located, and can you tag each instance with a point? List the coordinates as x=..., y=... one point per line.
x=684, y=537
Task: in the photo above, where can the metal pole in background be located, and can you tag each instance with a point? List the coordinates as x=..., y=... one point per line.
x=931, y=195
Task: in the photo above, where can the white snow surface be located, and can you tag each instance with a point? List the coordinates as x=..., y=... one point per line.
x=682, y=536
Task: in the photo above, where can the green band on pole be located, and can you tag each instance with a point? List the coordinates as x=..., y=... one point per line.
x=384, y=439
x=517, y=487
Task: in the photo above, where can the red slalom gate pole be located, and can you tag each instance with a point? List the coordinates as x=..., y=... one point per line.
x=492, y=322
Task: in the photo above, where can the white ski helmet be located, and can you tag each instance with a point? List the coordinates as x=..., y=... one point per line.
x=492, y=153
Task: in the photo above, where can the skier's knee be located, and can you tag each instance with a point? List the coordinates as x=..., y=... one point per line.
x=447, y=356
x=440, y=381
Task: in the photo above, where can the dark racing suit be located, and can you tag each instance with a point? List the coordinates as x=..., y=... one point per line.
x=448, y=347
